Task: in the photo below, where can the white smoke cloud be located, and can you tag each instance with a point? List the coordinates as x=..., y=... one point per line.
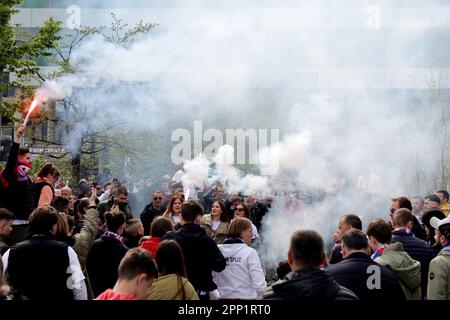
x=337, y=94
x=195, y=175
x=225, y=172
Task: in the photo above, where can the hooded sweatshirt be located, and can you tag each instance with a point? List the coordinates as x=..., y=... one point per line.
x=243, y=277
x=407, y=269
x=151, y=245
x=201, y=254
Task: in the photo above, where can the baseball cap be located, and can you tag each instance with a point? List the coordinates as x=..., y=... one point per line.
x=442, y=225
x=436, y=223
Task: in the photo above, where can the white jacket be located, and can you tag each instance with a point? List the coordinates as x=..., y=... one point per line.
x=243, y=277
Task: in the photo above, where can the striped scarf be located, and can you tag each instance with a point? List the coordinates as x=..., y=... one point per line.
x=404, y=231
x=378, y=252
x=22, y=171
x=110, y=234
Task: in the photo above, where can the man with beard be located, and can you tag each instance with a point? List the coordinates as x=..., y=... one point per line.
x=439, y=274
x=151, y=211
x=120, y=199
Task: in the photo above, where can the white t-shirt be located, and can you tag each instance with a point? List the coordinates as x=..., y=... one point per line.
x=176, y=219
x=215, y=224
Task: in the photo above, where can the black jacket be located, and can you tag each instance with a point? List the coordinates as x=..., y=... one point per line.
x=418, y=230
x=208, y=200
x=38, y=269
x=3, y=246
x=230, y=211
x=354, y=273
x=257, y=213
x=307, y=285
x=148, y=214
x=335, y=254
x=16, y=194
x=201, y=254
x=417, y=249
x=103, y=262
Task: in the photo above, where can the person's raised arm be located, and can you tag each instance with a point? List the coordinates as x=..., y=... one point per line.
x=11, y=164
x=19, y=133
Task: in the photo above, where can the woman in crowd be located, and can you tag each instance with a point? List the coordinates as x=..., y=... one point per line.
x=216, y=223
x=172, y=283
x=242, y=211
x=173, y=211
x=43, y=185
x=243, y=277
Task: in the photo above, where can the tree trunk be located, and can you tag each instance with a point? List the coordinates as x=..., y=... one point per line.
x=76, y=168
x=1, y=89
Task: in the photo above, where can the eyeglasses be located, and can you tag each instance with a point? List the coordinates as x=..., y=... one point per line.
x=239, y=209
x=157, y=198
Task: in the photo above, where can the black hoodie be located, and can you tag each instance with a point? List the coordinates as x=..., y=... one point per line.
x=201, y=255
x=308, y=285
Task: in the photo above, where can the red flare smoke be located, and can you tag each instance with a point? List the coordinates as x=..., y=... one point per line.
x=32, y=107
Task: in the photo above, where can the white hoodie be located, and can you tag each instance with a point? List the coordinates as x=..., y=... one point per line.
x=243, y=277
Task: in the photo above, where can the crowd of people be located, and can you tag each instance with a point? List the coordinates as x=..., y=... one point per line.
x=90, y=243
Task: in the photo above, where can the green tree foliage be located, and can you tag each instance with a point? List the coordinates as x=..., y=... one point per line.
x=102, y=138
x=18, y=53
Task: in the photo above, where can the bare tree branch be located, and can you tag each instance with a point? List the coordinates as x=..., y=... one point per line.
x=60, y=156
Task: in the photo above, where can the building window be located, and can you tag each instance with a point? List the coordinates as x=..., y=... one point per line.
x=46, y=3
